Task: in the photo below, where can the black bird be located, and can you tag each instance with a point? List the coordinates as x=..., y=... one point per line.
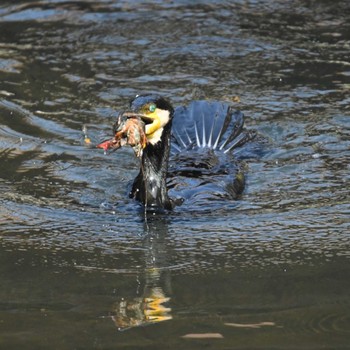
x=206, y=143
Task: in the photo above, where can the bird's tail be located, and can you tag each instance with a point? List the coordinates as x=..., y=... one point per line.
x=213, y=125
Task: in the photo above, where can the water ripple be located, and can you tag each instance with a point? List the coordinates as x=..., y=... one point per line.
x=278, y=255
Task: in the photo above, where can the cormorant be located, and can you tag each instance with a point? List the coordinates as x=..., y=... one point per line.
x=206, y=142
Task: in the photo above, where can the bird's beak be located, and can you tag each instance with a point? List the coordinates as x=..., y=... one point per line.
x=152, y=121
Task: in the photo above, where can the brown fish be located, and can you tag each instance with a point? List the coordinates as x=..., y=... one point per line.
x=129, y=130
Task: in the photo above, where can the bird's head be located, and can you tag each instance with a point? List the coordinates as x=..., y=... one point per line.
x=143, y=124
x=155, y=111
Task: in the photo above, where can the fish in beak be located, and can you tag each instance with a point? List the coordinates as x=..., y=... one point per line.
x=136, y=130
x=129, y=130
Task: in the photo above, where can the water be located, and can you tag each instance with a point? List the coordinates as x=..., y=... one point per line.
x=80, y=268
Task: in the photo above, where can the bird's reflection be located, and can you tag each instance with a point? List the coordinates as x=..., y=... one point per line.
x=151, y=305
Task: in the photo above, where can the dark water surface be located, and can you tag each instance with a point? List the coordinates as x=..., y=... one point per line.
x=79, y=267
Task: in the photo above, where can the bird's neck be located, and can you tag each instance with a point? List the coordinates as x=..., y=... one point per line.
x=150, y=185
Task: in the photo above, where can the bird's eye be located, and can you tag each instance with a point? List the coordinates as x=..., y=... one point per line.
x=152, y=107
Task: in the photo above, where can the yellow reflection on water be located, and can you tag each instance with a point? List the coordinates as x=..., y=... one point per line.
x=144, y=310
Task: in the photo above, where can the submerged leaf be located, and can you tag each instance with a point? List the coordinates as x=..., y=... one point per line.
x=250, y=325
x=203, y=336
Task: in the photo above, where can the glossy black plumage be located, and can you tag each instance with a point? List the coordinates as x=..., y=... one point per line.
x=150, y=186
